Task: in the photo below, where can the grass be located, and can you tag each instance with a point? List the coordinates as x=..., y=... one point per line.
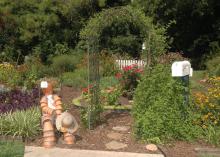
x=11, y=149
x=207, y=155
x=194, y=81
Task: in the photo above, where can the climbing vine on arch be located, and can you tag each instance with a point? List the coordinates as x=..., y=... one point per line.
x=124, y=25
x=125, y=28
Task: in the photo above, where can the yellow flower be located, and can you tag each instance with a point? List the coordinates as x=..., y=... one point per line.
x=204, y=126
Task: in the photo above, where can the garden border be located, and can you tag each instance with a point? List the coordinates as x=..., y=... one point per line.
x=77, y=103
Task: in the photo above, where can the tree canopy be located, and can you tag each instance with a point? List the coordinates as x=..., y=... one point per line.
x=45, y=27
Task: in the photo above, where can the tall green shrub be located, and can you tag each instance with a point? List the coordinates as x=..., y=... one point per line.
x=158, y=111
x=65, y=63
x=76, y=79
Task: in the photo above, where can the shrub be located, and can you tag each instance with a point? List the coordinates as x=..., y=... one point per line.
x=32, y=70
x=207, y=103
x=129, y=78
x=77, y=79
x=106, y=82
x=21, y=123
x=9, y=75
x=65, y=63
x=107, y=64
x=110, y=95
x=213, y=66
x=91, y=111
x=158, y=110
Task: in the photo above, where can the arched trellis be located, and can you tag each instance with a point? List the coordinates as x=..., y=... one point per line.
x=153, y=37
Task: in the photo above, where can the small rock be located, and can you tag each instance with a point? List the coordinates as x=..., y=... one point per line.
x=114, y=145
x=114, y=136
x=121, y=128
x=151, y=147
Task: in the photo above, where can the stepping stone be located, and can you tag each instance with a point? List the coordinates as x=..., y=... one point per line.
x=114, y=145
x=151, y=147
x=114, y=136
x=121, y=128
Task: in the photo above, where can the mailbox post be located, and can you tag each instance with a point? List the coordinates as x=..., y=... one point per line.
x=183, y=70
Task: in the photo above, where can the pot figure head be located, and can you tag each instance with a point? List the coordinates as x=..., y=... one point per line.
x=47, y=88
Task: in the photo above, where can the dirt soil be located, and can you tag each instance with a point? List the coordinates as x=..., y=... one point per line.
x=97, y=138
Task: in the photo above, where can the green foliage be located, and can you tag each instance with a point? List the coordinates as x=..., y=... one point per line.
x=129, y=79
x=43, y=27
x=108, y=82
x=177, y=15
x=90, y=115
x=65, y=63
x=107, y=64
x=213, y=66
x=9, y=75
x=195, y=83
x=77, y=79
x=212, y=134
x=11, y=149
x=110, y=95
x=124, y=34
x=21, y=123
x=158, y=110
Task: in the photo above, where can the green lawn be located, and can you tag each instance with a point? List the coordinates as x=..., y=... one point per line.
x=11, y=149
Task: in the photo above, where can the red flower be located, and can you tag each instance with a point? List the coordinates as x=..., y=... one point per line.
x=127, y=68
x=138, y=70
x=118, y=75
x=85, y=90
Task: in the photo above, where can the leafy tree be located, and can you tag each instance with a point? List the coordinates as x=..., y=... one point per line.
x=30, y=27
x=193, y=25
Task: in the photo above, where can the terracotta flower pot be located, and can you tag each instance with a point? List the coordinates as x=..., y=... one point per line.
x=48, y=144
x=48, y=126
x=69, y=138
x=48, y=134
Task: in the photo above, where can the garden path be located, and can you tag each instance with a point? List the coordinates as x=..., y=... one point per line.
x=31, y=151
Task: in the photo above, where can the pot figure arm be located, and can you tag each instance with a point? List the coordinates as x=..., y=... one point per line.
x=58, y=105
x=44, y=106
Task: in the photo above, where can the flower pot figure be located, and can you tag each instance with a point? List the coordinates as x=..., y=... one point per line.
x=51, y=110
x=67, y=124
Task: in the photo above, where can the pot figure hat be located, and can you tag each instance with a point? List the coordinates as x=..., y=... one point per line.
x=66, y=123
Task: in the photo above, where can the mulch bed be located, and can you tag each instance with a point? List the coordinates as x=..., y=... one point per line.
x=97, y=138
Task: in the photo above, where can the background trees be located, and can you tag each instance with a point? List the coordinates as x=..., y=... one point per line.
x=46, y=28
x=193, y=25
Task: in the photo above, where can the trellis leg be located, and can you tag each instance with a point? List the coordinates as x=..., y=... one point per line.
x=94, y=107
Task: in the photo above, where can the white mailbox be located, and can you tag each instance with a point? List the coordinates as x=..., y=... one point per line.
x=181, y=68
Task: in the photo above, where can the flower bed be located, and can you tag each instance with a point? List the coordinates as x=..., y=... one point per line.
x=16, y=99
